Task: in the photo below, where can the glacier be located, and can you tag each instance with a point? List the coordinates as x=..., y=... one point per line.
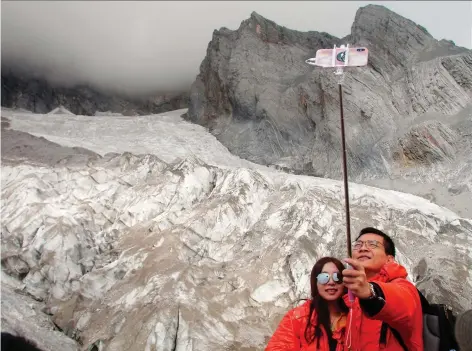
x=161, y=239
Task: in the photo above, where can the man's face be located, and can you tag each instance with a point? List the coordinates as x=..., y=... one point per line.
x=370, y=251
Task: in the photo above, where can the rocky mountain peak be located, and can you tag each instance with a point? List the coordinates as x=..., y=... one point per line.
x=394, y=40
x=259, y=19
x=256, y=94
x=381, y=17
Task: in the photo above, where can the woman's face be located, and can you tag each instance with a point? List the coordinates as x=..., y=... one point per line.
x=331, y=290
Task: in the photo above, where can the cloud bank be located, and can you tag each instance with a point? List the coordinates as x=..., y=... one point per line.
x=142, y=47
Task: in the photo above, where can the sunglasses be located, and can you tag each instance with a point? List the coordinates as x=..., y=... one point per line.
x=323, y=278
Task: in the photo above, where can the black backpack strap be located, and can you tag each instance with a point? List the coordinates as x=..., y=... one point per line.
x=446, y=327
x=424, y=303
x=383, y=334
x=396, y=334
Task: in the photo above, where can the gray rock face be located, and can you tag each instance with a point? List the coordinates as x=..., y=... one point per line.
x=17, y=145
x=167, y=251
x=428, y=143
x=260, y=99
x=37, y=95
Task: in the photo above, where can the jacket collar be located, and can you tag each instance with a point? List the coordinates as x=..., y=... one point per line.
x=390, y=271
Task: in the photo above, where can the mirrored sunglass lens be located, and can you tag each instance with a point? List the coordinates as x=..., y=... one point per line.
x=323, y=278
x=337, y=277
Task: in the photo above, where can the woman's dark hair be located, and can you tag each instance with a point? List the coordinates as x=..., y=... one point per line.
x=320, y=305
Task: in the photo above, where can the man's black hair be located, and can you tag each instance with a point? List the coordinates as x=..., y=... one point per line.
x=17, y=343
x=388, y=242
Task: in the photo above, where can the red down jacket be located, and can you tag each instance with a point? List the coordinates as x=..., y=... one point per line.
x=290, y=334
x=402, y=311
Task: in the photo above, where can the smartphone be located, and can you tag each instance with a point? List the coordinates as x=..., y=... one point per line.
x=342, y=57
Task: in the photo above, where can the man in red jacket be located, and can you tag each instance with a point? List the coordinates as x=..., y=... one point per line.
x=384, y=298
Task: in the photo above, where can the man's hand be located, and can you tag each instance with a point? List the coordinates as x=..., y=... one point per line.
x=355, y=279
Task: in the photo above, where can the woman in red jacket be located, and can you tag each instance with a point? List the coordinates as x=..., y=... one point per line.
x=319, y=324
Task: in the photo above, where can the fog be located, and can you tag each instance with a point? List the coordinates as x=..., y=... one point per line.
x=139, y=47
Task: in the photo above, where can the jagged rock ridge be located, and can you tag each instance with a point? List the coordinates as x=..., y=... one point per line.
x=37, y=95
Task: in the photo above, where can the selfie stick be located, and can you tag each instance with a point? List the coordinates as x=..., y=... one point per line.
x=340, y=59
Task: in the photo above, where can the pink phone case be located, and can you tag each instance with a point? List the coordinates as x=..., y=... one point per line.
x=356, y=57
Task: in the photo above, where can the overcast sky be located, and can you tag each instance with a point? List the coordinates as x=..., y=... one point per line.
x=142, y=46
